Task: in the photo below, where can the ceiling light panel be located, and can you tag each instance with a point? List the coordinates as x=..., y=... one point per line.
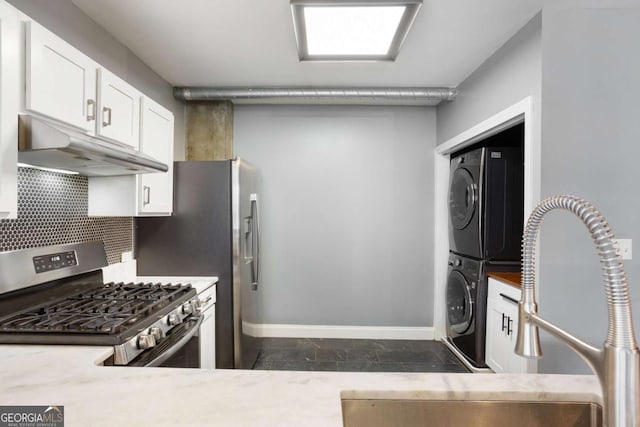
x=352, y=30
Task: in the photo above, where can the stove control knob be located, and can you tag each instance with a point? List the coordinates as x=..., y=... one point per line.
x=156, y=333
x=187, y=308
x=458, y=263
x=173, y=319
x=146, y=341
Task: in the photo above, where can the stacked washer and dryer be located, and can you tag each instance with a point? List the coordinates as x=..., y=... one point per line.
x=486, y=204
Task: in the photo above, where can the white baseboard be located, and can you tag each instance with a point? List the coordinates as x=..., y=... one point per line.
x=328, y=331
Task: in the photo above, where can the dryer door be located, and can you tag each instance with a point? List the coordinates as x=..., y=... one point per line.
x=459, y=303
x=462, y=198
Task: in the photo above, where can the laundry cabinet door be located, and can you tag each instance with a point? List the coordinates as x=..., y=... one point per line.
x=502, y=327
x=500, y=342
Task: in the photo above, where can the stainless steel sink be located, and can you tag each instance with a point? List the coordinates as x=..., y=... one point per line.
x=466, y=413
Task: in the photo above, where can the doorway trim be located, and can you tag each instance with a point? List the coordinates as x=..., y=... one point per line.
x=516, y=113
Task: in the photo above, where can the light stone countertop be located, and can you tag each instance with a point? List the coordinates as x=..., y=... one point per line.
x=119, y=396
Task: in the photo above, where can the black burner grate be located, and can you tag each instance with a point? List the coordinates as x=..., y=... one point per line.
x=110, y=309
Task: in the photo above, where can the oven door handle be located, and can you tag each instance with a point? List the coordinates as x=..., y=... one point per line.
x=181, y=342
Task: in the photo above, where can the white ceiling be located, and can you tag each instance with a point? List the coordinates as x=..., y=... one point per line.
x=249, y=43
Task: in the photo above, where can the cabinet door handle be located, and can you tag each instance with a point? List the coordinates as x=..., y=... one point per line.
x=503, y=325
x=91, y=110
x=106, y=112
x=511, y=300
x=146, y=195
x=509, y=326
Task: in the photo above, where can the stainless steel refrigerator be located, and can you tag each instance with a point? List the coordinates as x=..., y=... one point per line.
x=214, y=231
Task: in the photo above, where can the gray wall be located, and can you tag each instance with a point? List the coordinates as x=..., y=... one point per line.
x=67, y=21
x=346, y=212
x=591, y=130
x=508, y=76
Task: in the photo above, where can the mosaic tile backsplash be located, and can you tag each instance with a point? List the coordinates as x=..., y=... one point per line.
x=52, y=209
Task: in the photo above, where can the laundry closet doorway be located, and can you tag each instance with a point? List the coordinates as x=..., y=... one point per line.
x=521, y=112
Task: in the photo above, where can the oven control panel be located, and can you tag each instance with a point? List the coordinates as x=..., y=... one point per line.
x=43, y=263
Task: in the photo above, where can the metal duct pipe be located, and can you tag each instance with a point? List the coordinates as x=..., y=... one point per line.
x=396, y=96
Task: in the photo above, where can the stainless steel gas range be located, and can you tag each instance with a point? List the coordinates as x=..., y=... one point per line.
x=56, y=295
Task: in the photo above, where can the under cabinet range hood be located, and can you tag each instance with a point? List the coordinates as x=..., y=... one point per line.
x=44, y=144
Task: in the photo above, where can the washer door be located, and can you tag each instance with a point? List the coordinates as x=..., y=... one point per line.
x=462, y=198
x=459, y=303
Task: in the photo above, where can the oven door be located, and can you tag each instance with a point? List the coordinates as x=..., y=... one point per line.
x=179, y=349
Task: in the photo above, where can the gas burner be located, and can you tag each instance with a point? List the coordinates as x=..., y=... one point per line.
x=108, y=309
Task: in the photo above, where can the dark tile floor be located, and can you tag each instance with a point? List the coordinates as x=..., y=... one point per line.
x=321, y=354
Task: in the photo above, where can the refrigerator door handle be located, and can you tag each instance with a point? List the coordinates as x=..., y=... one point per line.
x=248, y=231
x=255, y=247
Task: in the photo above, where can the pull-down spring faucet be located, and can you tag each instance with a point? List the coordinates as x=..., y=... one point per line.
x=618, y=364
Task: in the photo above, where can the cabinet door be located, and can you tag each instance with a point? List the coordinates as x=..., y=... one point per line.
x=118, y=109
x=9, y=99
x=502, y=329
x=498, y=347
x=515, y=362
x=156, y=140
x=60, y=80
x=208, y=339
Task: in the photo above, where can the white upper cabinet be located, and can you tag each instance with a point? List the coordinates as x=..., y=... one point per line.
x=156, y=140
x=60, y=80
x=118, y=109
x=66, y=85
x=9, y=104
x=148, y=194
